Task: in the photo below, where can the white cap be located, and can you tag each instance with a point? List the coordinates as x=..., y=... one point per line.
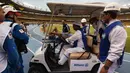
x=1, y=3
x=8, y=8
x=83, y=20
x=76, y=23
x=112, y=7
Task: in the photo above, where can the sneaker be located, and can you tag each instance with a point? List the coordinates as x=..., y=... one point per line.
x=116, y=72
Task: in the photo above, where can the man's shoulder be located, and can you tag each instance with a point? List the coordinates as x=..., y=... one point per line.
x=16, y=25
x=66, y=25
x=119, y=30
x=78, y=31
x=7, y=22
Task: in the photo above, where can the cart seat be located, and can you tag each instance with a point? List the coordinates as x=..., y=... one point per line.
x=79, y=55
x=94, y=48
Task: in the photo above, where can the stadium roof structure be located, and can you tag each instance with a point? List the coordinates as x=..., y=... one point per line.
x=24, y=8
x=79, y=9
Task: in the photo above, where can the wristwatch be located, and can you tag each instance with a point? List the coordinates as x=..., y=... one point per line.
x=106, y=67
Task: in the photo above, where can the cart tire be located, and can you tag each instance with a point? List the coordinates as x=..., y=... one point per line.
x=95, y=68
x=37, y=69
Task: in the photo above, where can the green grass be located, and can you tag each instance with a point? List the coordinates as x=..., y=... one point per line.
x=59, y=27
x=127, y=49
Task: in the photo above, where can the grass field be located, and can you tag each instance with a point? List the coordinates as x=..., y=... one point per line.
x=127, y=49
x=128, y=40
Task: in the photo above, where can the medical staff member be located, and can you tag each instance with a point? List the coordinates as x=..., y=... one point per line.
x=18, y=34
x=97, y=25
x=113, y=40
x=9, y=57
x=85, y=26
x=77, y=40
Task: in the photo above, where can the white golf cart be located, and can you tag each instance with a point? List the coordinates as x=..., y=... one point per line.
x=45, y=58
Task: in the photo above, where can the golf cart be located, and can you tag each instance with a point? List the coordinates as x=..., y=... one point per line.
x=43, y=62
x=45, y=58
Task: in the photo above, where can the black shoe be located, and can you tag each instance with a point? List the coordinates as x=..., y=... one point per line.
x=54, y=60
x=57, y=56
x=56, y=65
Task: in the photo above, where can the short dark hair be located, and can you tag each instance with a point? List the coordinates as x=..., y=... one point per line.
x=2, y=5
x=77, y=26
x=64, y=20
x=113, y=14
x=93, y=19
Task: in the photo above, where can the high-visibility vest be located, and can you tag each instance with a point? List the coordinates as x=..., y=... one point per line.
x=105, y=43
x=4, y=30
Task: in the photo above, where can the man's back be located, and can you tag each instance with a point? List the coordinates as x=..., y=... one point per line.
x=8, y=48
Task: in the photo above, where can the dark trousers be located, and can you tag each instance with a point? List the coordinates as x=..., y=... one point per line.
x=21, y=70
x=9, y=70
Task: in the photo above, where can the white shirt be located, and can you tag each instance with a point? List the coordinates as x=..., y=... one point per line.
x=117, y=38
x=4, y=30
x=87, y=29
x=76, y=36
x=97, y=27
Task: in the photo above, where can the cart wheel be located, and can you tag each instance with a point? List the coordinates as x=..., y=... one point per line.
x=95, y=68
x=37, y=69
